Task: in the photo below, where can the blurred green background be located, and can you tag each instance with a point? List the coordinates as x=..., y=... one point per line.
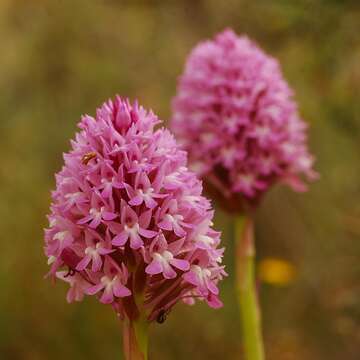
x=62, y=58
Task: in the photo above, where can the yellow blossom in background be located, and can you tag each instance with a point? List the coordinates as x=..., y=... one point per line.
x=278, y=272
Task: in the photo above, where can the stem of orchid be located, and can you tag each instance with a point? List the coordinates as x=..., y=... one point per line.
x=246, y=289
x=135, y=339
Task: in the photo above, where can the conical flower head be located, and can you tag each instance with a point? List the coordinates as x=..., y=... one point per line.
x=235, y=115
x=128, y=221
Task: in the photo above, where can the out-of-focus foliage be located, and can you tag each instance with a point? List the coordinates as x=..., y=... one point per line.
x=62, y=58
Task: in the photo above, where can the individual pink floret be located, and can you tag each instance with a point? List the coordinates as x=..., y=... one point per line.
x=111, y=283
x=165, y=257
x=95, y=248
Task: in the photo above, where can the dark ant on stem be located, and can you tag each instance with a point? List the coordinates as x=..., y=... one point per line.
x=161, y=317
x=71, y=272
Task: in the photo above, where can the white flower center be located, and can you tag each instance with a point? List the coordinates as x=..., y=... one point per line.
x=108, y=282
x=53, y=222
x=205, y=239
x=141, y=163
x=207, y=138
x=107, y=182
x=97, y=213
x=304, y=162
x=262, y=131
x=202, y=274
x=247, y=179
x=132, y=229
x=273, y=110
x=61, y=235
x=91, y=251
x=165, y=257
x=288, y=148
x=231, y=122
x=191, y=199
x=174, y=219
x=73, y=196
x=228, y=153
x=147, y=193
x=51, y=259
x=65, y=180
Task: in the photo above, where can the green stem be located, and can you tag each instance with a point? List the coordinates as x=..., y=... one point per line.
x=135, y=339
x=246, y=289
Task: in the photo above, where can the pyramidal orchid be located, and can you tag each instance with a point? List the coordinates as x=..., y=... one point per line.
x=128, y=223
x=235, y=115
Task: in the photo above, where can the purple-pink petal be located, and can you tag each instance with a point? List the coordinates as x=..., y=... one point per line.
x=191, y=278
x=83, y=263
x=95, y=222
x=85, y=220
x=165, y=225
x=94, y=289
x=120, y=239
x=136, y=200
x=180, y=264
x=107, y=215
x=135, y=242
x=154, y=268
x=147, y=233
x=96, y=263
x=120, y=290
x=107, y=297
x=150, y=203
x=168, y=272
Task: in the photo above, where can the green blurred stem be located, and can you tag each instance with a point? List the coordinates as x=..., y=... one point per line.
x=135, y=339
x=246, y=289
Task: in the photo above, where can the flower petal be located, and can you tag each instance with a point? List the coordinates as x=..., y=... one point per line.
x=107, y=215
x=94, y=289
x=191, y=278
x=169, y=272
x=180, y=264
x=95, y=222
x=135, y=241
x=165, y=224
x=120, y=290
x=147, y=233
x=135, y=201
x=120, y=239
x=154, y=268
x=83, y=263
x=107, y=297
x=96, y=262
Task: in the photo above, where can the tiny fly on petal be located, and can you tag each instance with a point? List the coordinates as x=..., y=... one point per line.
x=87, y=157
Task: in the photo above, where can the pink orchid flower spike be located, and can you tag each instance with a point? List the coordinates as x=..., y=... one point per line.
x=235, y=115
x=127, y=221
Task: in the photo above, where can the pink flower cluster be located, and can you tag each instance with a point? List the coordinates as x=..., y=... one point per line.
x=128, y=221
x=235, y=115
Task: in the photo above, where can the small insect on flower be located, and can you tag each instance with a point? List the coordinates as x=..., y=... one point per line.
x=71, y=272
x=87, y=157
